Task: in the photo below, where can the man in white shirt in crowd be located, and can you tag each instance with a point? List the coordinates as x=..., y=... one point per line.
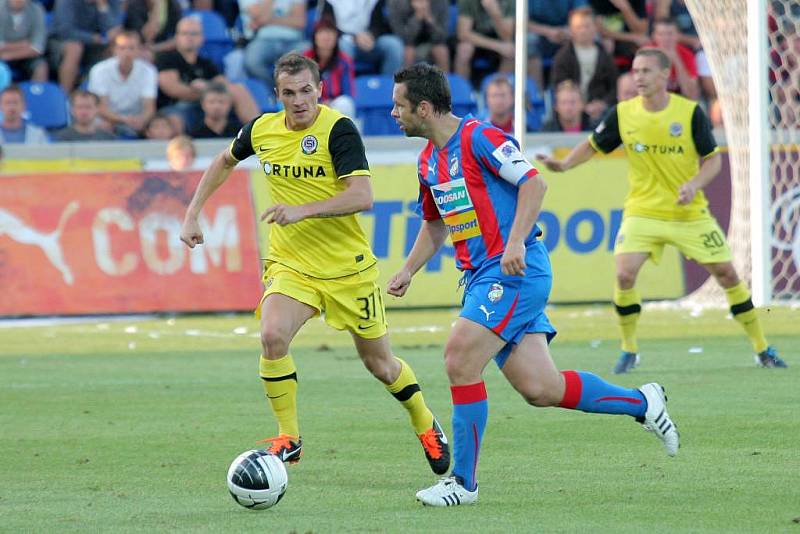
x=127, y=86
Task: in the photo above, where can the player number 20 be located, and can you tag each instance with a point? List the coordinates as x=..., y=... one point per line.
x=712, y=240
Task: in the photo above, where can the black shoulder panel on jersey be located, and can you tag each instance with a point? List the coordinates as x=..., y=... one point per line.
x=346, y=148
x=702, y=133
x=242, y=146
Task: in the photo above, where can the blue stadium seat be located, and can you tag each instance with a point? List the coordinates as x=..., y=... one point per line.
x=374, y=105
x=461, y=94
x=5, y=75
x=260, y=93
x=452, y=19
x=311, y=19
x=46, y=104
x=536, y=103
x=218, y=40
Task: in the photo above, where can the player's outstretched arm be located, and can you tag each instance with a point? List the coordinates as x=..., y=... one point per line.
x=430, y=239
x=580, y=154
x=357, y=197
x=216, y=174
x=709, y=169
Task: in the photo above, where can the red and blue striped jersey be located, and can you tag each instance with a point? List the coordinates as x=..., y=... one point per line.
x=471, y=184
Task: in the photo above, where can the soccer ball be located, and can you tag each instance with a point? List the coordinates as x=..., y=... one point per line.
x=257, y=479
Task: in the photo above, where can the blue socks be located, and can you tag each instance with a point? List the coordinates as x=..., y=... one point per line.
x=588, y=392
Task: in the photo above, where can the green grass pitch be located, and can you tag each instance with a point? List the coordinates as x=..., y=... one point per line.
x=128, y=425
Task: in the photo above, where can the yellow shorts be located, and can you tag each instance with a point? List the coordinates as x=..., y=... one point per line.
x=351, y=302
x=701, y=240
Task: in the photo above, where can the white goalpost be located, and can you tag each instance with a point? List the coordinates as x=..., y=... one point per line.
x=753, y=48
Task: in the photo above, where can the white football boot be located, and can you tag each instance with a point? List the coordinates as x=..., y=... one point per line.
x=656, y=418
x=447, y=492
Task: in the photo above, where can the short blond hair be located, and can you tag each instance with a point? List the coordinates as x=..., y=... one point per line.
x=179, y=143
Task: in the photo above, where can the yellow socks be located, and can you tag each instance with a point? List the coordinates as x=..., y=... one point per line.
x=280, y=384
x=745, y=314
x=628, y=305
x=406, y=390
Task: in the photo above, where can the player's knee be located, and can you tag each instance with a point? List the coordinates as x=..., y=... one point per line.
x=626, y=278
x=540, y=395
x=274, y=340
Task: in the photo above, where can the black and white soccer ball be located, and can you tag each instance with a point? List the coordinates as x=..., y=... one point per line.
x=257, y=479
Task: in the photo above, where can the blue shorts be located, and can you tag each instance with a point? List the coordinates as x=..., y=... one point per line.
x=510, y=306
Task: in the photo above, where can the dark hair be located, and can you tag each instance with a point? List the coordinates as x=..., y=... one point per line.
x=650, y=51
x=325, y=23
x=83, y=93
x=426, y=82
x=217, y=88
x=292, y=63
x=13, y=88
x=585, y=11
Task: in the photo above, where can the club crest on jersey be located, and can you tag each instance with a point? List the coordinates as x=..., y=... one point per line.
x=309, y=145
x=267, y=168
x=675, y=129
x=495, y=293
x=453, y=167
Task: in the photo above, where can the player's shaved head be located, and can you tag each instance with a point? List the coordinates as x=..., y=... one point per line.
x=663, y=59
x=428, y=83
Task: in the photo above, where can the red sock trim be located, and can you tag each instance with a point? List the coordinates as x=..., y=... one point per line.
x=573, y=386
x=469, y=393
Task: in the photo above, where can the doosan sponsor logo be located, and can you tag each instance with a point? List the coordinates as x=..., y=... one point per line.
x=451, y=197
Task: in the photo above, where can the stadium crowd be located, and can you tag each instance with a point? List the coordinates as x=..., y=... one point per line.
x=156, y=69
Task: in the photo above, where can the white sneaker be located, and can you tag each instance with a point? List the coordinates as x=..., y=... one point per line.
x=656, y=419
x=447, y=492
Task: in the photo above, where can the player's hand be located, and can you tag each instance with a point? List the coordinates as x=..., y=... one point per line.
x=513, y=261
x=686, y=193
x=283, y=214
x=552, y=164
x=399, y=283
x=191, y=234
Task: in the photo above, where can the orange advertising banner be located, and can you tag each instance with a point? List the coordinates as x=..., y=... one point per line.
x=96, y=243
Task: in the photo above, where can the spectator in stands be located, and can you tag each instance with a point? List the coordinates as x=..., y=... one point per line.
x=156, y=21
x=127, y=86
x=183, y=76
x=23, y=38
x=623, y=25
x=216, y=104
x=626, y=87
x=335, y=68
x=547, y=32
x=85, y=111
x=683, y=76
x=366, y=35
x=181, y=153
x=500, y=103
x=422, y=25
x=159, y=128
x=273, y=27
x=81, y=30
x=687, y=36
x=485, y=29
x=584, y=61
x=569, y=115
x=13, y=128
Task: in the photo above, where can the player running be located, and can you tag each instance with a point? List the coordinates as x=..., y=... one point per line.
x=665, y=136
x=477, y=186
x=319, y=258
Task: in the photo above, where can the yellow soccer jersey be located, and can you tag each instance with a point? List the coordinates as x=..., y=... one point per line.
x=307, y=166
x=664, y=150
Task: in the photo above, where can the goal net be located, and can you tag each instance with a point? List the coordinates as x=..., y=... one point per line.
x=764, y=231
